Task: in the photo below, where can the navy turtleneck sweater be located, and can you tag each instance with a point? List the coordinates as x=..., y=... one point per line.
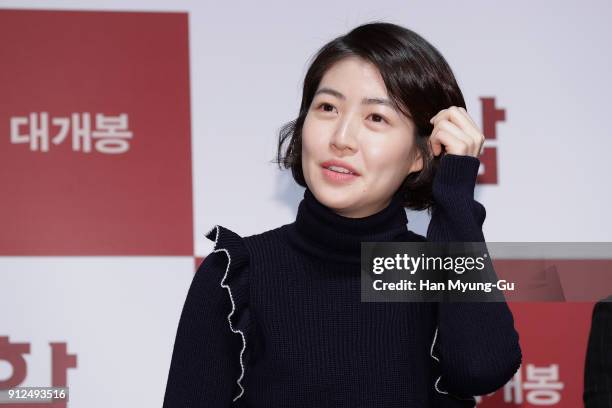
x=275, y=319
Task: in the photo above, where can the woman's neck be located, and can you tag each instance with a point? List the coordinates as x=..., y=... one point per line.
x=320, y=231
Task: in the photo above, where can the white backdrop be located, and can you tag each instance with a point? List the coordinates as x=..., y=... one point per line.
x=547, y=64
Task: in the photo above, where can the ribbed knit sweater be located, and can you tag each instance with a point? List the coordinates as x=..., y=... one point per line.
x=275, y=319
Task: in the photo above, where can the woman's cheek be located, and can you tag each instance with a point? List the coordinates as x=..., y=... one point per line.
x=313, y=133
x=374, y=155
x=384, y=161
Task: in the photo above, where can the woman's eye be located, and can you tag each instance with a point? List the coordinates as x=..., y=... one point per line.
x=378, y=118
x=382, y=119
x=324, y=105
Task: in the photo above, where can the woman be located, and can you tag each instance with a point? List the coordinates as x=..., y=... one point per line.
x=275, y=319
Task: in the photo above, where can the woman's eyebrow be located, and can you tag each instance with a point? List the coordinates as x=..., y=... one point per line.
x=364, y=101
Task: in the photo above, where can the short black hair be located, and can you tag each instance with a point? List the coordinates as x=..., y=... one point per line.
x=418, y=79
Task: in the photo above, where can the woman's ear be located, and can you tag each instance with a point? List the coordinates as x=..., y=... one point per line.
x=417, y=163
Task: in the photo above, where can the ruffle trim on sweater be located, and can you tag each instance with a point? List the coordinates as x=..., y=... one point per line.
x=236, y=281
x=437, y=383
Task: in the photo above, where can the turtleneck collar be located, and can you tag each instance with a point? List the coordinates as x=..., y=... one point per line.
x=320, y=232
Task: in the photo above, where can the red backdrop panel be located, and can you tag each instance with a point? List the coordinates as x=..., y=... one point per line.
x=553, y=338
x=71, y=82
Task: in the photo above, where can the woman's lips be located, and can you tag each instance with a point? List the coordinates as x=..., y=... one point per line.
x=338, y=178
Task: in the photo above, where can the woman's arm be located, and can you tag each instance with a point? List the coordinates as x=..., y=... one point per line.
x=205, y=364
x=477, y=345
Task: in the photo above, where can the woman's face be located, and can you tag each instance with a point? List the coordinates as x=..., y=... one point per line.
x=372, y=138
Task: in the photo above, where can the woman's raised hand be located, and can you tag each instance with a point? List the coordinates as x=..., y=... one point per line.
x=457, y=131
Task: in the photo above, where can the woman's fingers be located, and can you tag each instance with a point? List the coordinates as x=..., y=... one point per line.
x=452, y=144
x=460, y=134
x=454, y=130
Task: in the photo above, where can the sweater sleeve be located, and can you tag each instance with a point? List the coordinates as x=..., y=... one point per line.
x=477, y=345
x=205, y=364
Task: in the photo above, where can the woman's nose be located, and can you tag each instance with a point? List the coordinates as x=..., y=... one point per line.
x=346, y=133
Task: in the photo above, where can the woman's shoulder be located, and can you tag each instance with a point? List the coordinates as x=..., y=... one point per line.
x=228, y=263
x=234, y=259
x=244, y=246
